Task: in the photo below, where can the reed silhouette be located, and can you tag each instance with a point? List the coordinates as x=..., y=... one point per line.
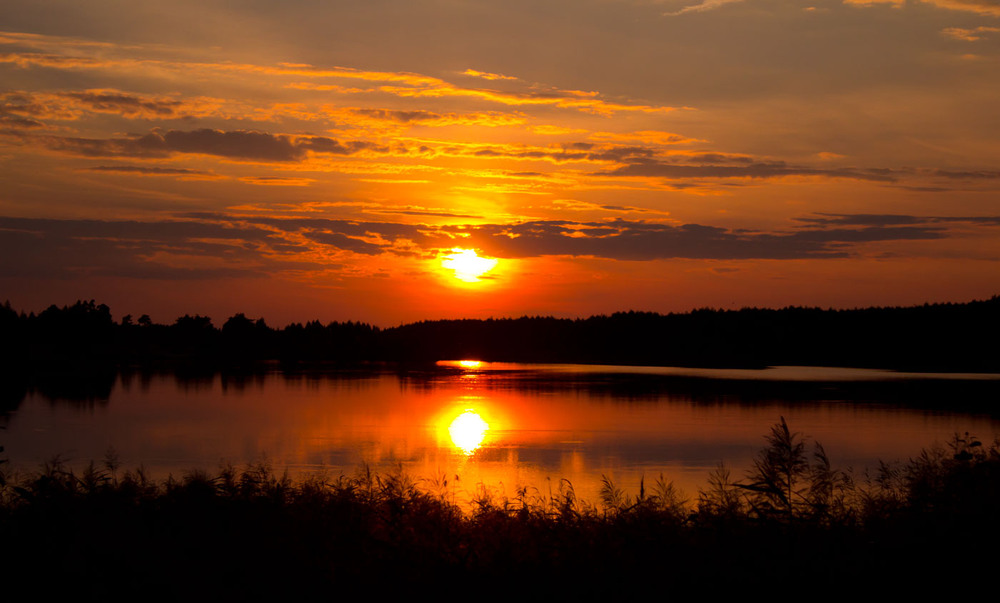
x=253, y=533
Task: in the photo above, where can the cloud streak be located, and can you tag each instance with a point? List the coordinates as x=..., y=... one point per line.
x=982, y=7
x=238, y=144
x=972, y=34
x=645, y=168
x=395, y=83
x=210, y=245
x=705, y=5
x=142, y=170
x=66, y=249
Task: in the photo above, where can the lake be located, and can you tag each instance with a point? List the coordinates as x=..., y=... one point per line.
x=497, y=425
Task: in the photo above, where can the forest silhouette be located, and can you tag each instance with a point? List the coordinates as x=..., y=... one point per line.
x=931, y=337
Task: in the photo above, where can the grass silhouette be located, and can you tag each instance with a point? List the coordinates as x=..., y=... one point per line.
x=252, y=533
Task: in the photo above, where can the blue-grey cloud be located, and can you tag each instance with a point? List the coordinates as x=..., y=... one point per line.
x=62, y=249
x=125, y=104
x=631, y=240
x=342, y=241
x=968, y=174
x=147, y=170
x=254, y=246
x=885, y=220
x=233, y=144
x=652, y=168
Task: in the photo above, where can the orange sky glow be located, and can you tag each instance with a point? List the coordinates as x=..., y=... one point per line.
x=394, y=161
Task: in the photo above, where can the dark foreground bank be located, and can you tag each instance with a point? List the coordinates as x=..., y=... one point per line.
x=793, y=527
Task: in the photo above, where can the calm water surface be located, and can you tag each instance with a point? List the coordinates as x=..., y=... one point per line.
x=502, y=426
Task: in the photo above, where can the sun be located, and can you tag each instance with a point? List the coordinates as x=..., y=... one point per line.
x=467, y=264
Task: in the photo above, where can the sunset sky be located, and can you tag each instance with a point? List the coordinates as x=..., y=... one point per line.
x=326, y=159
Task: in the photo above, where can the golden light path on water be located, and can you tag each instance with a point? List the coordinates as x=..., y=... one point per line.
x=482, y=436
x=475, y=426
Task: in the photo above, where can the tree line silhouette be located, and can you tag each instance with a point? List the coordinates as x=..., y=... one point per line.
x=931, y=337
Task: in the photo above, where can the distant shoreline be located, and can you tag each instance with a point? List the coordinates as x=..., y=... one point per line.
x=938, y=338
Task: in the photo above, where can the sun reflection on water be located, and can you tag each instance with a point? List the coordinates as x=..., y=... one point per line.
x=467, y=431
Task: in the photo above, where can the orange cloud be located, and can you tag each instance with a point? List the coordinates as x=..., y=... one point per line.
x=399, y=84
x=487, y=76
x=277, y=181
x=644, y=136
x=983, y=7
x=705, y=5
x=969, y=35
x=565, y=100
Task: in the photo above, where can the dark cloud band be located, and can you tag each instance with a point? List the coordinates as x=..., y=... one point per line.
x=256, y=245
